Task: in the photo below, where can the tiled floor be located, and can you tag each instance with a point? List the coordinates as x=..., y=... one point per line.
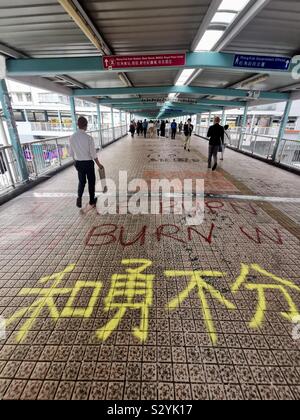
x=229, y=336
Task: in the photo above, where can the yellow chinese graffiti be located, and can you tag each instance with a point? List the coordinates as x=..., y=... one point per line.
x=197, y=282
x=45, y=299
x=135, y=290
x=279, y=284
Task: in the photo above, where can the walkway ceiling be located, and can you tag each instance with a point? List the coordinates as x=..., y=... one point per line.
x=47, y=29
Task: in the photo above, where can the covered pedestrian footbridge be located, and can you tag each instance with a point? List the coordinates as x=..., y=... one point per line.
x=167, y=61
x=122, y=305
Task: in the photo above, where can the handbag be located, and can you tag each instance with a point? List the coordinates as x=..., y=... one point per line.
x=102, y=176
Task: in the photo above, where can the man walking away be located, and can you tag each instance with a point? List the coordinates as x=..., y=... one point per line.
x=174, y=129
x=132, y=128
x=163, y=129
x=216, y=140
x=188, y=130
x=138, y=128
x=145, y=128
x=180, y=127
x=83, y=151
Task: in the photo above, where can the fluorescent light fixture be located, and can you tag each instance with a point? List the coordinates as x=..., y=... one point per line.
x=209, y=40
x=172, y=96
x=184, y=77
x=234, y=6
x=254, y=81
x=224, y=17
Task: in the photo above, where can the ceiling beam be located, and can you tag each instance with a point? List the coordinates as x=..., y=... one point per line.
x=192, y=90
x=74, y=9
x=74, y=65
x=122, y=101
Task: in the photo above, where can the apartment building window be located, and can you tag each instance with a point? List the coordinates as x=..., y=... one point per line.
x=19, y=97
x=28, y=97
x=19, y=115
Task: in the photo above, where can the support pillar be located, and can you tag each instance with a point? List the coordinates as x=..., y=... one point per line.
x=99, y=124
x=73, y=113
x=243, y=126
x=112, y=121
x=12, y=130
x=283, y=124
x=223, y=117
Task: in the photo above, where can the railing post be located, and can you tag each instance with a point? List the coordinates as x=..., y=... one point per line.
x=112, y=121
x=282, y=128
x=57, y=148
x=99, y=124
x=243, y=126
x=282, y=150
x=33, y=159
x=7, y=164
x=12, y=129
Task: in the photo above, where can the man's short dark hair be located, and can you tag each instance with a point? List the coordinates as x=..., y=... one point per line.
x=82, y=123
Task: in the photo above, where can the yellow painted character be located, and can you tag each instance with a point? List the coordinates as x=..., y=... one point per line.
x=133, y=290
x=197, y=282
x=46, y=299
x=277, y=283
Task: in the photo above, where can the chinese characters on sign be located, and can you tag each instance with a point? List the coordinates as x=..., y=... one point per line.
x=134, y=291
x=135, y=61
x=262, y=62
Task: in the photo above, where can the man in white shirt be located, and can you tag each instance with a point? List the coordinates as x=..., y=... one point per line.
x=83, y=151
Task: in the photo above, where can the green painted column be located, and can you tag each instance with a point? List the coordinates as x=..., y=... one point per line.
x=243, y=126
x=283, y=124
x=112, y=121
x=12, y=130
x=73, y=113
x=223, y=117
x=99, y=124
x=209, y=118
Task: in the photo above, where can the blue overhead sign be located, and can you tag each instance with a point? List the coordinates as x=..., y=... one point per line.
x=262, y=62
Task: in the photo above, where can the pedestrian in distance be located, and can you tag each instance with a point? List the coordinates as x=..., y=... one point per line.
x=188, y=130
x=216, y=141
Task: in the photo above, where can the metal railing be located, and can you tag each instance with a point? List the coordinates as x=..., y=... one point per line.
x=9, y=169
x=42, y=156
x=289, y=153
x=261, y=145
x=47, y=126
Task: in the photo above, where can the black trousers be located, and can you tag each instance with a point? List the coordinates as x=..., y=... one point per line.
x=174, y=133
x=213, y=153
x=86, y=171
x=145, y=132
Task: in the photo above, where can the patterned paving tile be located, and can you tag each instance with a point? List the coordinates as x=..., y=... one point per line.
x=214, y=342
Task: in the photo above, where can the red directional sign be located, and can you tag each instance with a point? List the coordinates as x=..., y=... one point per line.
x=111, y=62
